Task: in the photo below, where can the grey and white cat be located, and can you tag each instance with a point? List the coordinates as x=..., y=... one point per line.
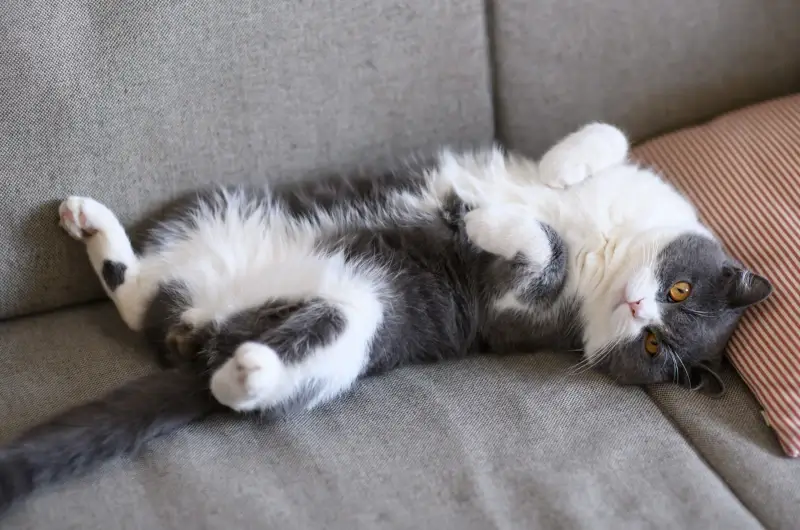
x=281, y=298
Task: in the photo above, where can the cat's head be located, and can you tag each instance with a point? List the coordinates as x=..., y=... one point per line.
x=671, y=311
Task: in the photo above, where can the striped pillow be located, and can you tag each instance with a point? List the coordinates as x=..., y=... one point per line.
x=742, y=170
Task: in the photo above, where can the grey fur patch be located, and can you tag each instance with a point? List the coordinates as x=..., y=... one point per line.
x=113, y=274
x=293, y=328
x=539, y=329
x=164, y=331
x=432, y=296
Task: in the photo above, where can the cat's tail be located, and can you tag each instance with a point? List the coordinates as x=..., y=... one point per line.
x=117, y=424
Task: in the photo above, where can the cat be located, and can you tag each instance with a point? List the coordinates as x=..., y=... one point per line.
x=280, y=299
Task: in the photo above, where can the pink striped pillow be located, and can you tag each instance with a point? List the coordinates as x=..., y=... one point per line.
x=742, y=170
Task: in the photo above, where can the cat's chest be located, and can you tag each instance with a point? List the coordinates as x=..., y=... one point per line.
x=592, y=241
x=597, y=253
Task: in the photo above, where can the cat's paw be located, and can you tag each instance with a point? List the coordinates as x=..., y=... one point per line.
x=506, y=232
x=592, y=149
x=82, y=217
x=248, y=380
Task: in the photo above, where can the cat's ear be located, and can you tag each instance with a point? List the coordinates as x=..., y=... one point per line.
x=704, y=379
x=744, y=288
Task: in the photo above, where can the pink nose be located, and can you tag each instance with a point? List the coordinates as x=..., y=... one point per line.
x=635, y=306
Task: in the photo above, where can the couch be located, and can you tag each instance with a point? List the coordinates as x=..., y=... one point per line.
x=135, y=103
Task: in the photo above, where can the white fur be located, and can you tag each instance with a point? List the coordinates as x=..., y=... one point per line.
x=499, y=229
x=614, y=217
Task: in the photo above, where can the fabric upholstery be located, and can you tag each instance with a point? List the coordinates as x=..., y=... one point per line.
x=742, y=171
x=511, y=442
x=649, y=66
x=134, y=103
x=731, y=435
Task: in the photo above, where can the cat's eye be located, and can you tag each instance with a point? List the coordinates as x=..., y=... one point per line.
x=680, y=291
x=651, y=344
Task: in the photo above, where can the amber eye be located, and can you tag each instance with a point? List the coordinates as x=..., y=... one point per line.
x=680, y=291
x=651, y=344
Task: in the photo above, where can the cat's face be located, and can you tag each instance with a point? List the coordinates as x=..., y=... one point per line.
x=673, y=310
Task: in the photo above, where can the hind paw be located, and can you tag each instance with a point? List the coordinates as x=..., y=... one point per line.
x=248, y=380
x=82, y=217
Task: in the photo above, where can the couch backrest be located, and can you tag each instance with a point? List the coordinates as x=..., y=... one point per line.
x=648, y=65
x=134, y=103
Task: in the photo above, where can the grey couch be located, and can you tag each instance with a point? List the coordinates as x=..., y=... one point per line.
x=136, y=102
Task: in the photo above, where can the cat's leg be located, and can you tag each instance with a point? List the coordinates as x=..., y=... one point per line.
x=110, y=252
x=531, y=258
x=314, y=356
x=589, y=150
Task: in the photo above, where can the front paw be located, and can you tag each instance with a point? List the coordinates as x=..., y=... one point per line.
x=507, y=232
x=592, y=149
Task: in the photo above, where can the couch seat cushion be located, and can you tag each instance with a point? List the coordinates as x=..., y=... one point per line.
x=510, y=442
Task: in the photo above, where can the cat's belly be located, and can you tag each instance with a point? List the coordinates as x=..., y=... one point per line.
x=234, y=262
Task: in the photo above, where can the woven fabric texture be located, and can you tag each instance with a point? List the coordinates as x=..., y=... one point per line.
x=647, y=65
x=135, y=104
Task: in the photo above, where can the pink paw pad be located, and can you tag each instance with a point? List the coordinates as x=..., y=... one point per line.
x=67, y=217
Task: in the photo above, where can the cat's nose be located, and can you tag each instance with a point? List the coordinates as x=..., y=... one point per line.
x=636, y=307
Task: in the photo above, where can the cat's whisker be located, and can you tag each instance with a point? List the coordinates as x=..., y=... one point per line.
x=580, y=367
x=589, y=363
x=675, y=374
x=663, y=361
x=698, y=312
x=683, y=366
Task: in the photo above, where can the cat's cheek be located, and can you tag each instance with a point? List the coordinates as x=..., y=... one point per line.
x=621, y=324
x=622, y=328
x=643, y=285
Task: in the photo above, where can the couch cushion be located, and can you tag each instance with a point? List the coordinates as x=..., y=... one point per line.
x=742, y=171
x=732, y=437
x=649, y=66
x=488, y=443
x=134, y=104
